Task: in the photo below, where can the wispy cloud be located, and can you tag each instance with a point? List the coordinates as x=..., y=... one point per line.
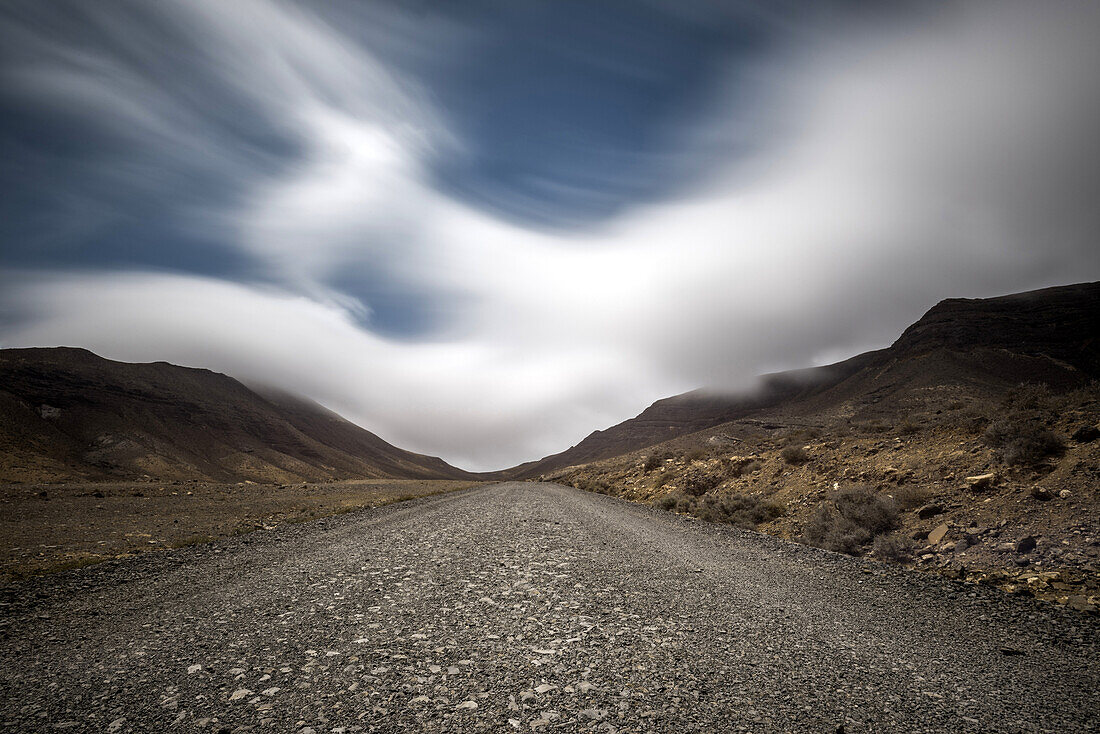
x=901, y=161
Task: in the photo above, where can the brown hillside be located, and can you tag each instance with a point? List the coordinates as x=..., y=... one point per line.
x=67, y=414
x=981, y=345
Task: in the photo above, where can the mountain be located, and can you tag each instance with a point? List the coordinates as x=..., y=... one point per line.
x=981, y=346
x=68, y=414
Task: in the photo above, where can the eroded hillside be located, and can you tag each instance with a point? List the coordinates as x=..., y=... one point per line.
x=1001, y=490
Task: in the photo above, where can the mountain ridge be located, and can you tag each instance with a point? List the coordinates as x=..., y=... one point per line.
x=69, y=414
x=1045, y=335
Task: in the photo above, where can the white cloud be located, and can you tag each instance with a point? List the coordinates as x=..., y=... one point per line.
x=942, y=158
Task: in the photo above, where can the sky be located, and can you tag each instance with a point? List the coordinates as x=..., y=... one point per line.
x=483, y=229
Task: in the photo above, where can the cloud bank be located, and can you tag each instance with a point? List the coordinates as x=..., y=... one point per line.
x=896, y=161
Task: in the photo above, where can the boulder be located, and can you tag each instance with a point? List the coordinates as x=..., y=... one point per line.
x=981, y=481
x=929, y=511
x=937, y=534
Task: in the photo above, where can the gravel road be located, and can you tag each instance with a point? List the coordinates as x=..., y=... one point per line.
x=528, y=607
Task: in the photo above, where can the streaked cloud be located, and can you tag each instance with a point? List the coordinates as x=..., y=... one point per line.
x=292, y=227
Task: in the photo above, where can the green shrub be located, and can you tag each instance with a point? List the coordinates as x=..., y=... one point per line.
x=652, y=462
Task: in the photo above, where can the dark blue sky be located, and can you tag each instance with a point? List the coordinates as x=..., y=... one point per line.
x=564, y=114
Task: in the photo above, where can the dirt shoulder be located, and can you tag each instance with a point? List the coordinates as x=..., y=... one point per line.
x=51, y=527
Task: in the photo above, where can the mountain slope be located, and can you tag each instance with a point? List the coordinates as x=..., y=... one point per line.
x=982, y=345
x=68, y=414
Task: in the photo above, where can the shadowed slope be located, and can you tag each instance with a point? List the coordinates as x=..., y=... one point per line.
x=69, y=414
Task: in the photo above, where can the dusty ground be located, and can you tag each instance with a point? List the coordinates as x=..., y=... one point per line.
x=51, y=527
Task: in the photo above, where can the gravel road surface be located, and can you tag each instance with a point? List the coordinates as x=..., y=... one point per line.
x=532, y=607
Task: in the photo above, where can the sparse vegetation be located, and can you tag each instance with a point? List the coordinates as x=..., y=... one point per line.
x=735, y=469
x=908, y=427
x=795, y=455
x=697, y=483
x=911, y=497
x=893, y=548
x=740, y=509
x=1023, y=441
x=653, y=461
x=852, y=520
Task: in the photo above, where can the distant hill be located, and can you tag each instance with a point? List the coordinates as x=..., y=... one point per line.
x=68, y=414
x=983, y=345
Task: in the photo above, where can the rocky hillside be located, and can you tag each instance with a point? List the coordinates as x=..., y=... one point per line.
x=67, y=414
x=970, y=447
x=981, y=347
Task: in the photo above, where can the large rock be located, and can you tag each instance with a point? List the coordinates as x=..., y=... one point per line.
x=929, y=511
x=937, y=534
x=981, y=481
x=1026, y=544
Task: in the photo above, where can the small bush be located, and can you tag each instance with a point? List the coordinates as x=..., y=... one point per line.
x=794, y=455
x=740, y=467
x=862, y=507
x=663, y=478
x=697, y=455
x=741, y=510
x=852, y=520
x=652, y=462
x=1029, y=396
x=893, y=548
x=908, y=427
x=1023, y=442
x=911, y=497
x=668, y=502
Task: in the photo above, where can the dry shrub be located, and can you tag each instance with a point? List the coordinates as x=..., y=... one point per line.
x=911, y=497
x=794, y=455
x=740, y=468
x=1023, y=441
x=852, y=519
x=742, y=510
x=908, y=427
x=697, y=483
x=893, y=548
x=668, y=502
